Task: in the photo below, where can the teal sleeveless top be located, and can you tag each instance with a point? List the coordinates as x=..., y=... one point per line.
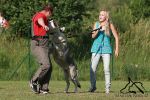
x=101, y=44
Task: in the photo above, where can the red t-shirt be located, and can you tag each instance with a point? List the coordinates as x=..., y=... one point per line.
x=38, y=29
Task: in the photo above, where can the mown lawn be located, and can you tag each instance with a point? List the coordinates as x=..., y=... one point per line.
x=19, y=90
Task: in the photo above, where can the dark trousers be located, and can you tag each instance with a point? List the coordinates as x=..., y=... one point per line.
x=40, y=50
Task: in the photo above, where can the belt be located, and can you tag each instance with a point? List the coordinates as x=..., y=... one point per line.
x=39, y=37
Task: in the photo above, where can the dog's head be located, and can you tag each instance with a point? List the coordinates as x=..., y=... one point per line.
x=58, y=39
x=53, y=27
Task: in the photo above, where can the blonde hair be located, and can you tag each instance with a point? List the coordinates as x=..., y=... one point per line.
x=107, y=23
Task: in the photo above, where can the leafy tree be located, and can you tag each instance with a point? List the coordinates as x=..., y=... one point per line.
x=140, y=9
x=69, y=13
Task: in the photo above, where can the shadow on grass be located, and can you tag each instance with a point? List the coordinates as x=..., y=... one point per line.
x=1, y=88
x=82, y=92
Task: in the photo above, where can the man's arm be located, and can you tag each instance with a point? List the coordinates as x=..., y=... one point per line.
x=41, y=22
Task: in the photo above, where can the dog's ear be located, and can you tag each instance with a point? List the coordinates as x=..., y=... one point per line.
x=62, y=29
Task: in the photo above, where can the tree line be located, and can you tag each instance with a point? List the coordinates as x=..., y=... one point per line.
x=130, y=17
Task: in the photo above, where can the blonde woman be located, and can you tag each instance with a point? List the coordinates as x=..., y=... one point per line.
x=102, y=48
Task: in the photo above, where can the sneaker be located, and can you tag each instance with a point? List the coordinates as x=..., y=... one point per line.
x=44, y=91
x=34, y=86
x=107, y=91
x=92, y=89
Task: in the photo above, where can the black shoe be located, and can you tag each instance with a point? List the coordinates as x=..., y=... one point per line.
x=34, y=86
x=92, y=89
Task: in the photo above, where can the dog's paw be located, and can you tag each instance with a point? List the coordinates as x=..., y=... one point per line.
x=79, y=85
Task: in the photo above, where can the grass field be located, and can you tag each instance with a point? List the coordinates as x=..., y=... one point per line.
x=19, y=90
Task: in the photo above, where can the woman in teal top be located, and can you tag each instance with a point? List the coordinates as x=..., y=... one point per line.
x=102, y=48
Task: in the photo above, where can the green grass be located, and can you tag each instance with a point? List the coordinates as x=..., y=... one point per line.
x=19, y=90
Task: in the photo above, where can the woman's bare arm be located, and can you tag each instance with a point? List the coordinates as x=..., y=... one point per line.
x=115, y=34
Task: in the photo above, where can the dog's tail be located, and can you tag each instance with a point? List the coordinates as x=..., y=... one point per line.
x=78, y=84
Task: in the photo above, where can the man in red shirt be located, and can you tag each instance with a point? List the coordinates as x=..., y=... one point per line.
x=40, y=49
